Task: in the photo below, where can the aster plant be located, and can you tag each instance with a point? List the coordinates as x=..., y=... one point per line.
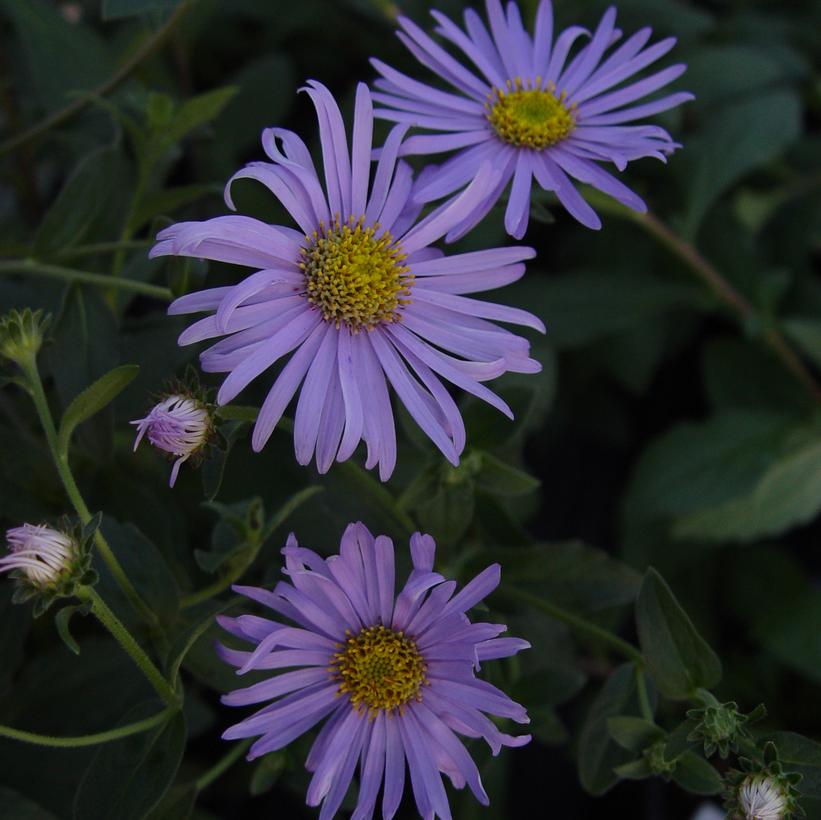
x=358, y=296
x=530, y=108
x=393, y=676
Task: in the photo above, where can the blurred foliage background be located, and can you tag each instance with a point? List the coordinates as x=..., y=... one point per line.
x=675, y=424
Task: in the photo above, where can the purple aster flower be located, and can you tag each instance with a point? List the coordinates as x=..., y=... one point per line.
x=393, y=677
x=42, y=555
x=357, y=296
x=530, y=109
x=179, y=425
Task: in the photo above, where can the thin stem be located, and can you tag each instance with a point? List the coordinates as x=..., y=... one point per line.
x=578, y=623
x=213, y=589
x=126, y=640
x=222, y=765
x=104, y=247
x=58, y=117
x=35, y=268
x=73, y=491
x=88, y=740
x=712, y=277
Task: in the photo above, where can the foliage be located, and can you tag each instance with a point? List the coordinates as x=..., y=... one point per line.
x=654, y=506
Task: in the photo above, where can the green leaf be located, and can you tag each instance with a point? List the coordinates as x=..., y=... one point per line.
x=79, y=202
x=736, y=139
x=677, y=742
x=116, y=9
x=633, y=733
x=694, y=466
x=267, y=772
x=570, y=574
x=197, y=621
x=92, y=400
x=61, y=621
x=597, y=755
x=145, y=567
x=501, y=479
x=77, y=57
x=17, y=807
x=584, y=306
x=695, y=775
x=788, y=494
x=634, y=770
x=195, y=112
x=800, y=754
x=168, y=200
x=128, y=777
x=442, y=499
x=806, y=333
x=678, y=659
x=178, y=803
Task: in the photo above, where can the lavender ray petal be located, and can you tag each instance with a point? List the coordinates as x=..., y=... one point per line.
x=394, y=770
x=428, y=789
x=450, y=31
x=561, y=48
x=384, y=173
x=362, y=140
x=542, y=38
x=274, y=687
x=623, y=96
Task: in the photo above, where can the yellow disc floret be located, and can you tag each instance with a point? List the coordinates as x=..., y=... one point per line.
x=379, y=668
x=354, y=274
x=530, y=117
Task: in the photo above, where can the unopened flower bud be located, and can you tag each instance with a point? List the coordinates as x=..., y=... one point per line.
x=44, y=557
x=180, y=425
x=761, y=797
x=21, y=334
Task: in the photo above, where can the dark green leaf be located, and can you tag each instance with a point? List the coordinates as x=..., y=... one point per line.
x=677, y=742
x=678, y=659
x=806, y=333
x=633, y=733
x=197, y=621
x=695, y=775
x=15, y=806
x=61, y=621
x=736, y=139
x=634, y=770
x=800, y=754
x=570, y=574
x=93, y=399
x=178, y=804
x=128, y=777
x=597, y=755
x=501, y=479
x=114, y=9
x=80, y=200
x=442, y=500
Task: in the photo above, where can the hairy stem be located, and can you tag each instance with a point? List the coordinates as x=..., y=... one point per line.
x=577, y=623
x=73, y=491
x=58, y=117
x=34, y=268
x=127, y=641
x=88, y=740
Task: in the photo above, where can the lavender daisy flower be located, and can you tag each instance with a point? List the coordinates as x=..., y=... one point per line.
x=358, y=297
x=179, y=425
x=530, y=110
x=393, y=678
x=42, y=555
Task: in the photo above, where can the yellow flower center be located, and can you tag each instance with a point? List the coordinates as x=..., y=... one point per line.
x=530, y=117
x=354, y=276
x=379, y=668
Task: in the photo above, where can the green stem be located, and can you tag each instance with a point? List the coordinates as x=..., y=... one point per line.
x=711, y=276
x=73, y=491
x=126, y=640
x=222, y=765
x=35, y=268
x=146, y=48
x=88, y=740
x=578, y=623
x=220, y=585
x=104, y=247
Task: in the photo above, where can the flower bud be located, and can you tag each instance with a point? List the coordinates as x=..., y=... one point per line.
x=44, y=557
x=21, y=334
x=761, y=797
x=180, y=425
